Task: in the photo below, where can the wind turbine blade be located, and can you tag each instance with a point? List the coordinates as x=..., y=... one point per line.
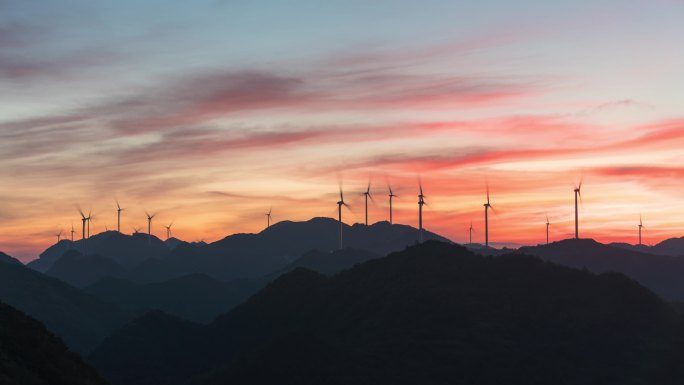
x=339, y=184
x=493, y=210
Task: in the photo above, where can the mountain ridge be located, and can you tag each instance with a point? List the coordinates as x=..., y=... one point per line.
x=433, y=313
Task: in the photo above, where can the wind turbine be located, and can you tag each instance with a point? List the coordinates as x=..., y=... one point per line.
x=641, y=226
x=341, y=203
x=168, y=230
x=421, y=202
x=136, y=230
x=83, y=220
x=367, y=195
x=470, y=230
x=391, y=195
x=578, y=194
x=118, y=216
x=487, y=206
x=59, y=236
x=268, y=217
x=88, y=220
x=72, y=232
x=149, y=226
x=547, y=229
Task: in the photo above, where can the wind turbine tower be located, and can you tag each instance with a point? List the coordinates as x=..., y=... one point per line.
x=367, y=195
x=88, y=220
x=641, y=226
x=168, y=230
x=149, y=226
x=578, y=195
x=547, y=229
x=83, y=221
x=118, y=216
x=487, y=206
x=268, y=217
x=341, y=203
x=391, y=195
x=421, y=203
x=470, y=231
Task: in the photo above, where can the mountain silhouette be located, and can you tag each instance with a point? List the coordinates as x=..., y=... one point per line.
x=126, y=250
x=172, y=243
x=200, y=298
x=234, y=257
x=195, y=297
x=673, y=247
x=80, y=319
x=30, y=355
x=256, y=255
x=78, y=270
x=7, y=259
x=155, y=346
x=662, y=274
x=50, y=255
x=329, y=263
x=434, y=313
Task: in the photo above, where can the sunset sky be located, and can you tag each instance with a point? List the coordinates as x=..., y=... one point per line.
x=212, y=112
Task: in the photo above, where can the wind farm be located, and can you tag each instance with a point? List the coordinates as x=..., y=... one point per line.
x=293, y=192
x=87, y=218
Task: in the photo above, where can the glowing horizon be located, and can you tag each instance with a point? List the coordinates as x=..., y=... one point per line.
x=213, y=112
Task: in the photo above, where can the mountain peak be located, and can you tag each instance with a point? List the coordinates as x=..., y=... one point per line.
x=7, y=259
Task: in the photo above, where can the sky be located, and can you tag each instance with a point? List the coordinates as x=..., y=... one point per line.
x=210, y=113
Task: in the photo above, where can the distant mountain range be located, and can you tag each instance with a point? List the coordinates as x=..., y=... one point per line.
x=237, y=256
x=82, y=270
x=210, y=323
x=274, y=250
x=434, y=314
x=673, y=247
x=328, y=263
x=198, y=282
x=192, y=281
x=80, y=319
x=662, y=274
x=30, y=355
x=126, y=250
x=195, y=297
